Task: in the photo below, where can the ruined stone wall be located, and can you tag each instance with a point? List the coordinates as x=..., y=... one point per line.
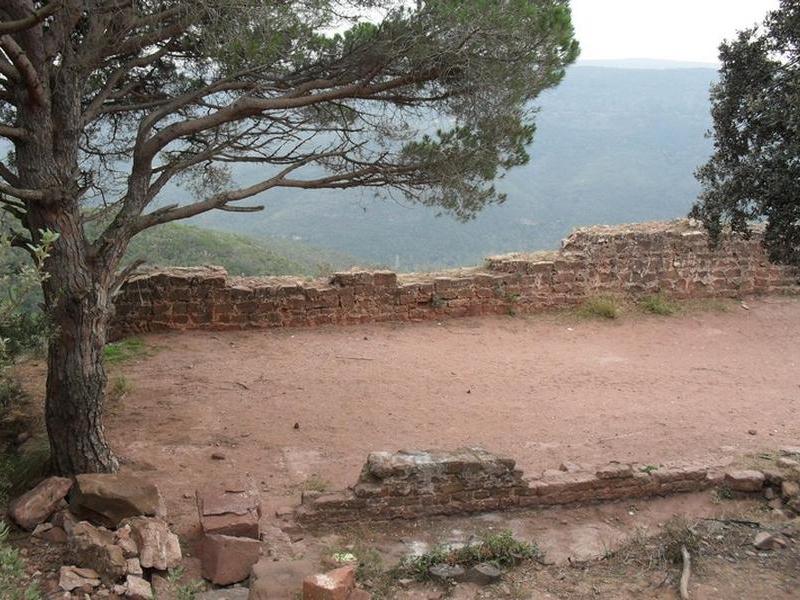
x=632, y=260
x=409, y=485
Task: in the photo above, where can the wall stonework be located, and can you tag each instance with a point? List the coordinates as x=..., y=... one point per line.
x=632, y=260
x=414, y=484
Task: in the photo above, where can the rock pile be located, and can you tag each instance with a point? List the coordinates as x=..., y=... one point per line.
x=113, y=528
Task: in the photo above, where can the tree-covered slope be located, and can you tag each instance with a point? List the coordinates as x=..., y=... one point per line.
x=176, y=244
x=612, y=145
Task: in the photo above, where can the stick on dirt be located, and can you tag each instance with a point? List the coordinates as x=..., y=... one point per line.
x=687, y=571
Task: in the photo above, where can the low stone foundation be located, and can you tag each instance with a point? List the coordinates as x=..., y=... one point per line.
x=409, y=485
x=673, y=258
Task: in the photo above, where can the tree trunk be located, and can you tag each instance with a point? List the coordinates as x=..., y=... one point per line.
x=77, y=302
x=76, y=382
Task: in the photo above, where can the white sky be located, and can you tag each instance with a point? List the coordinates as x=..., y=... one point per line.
x=685, y=30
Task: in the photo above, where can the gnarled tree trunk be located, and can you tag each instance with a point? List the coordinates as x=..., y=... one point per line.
x=77, y=302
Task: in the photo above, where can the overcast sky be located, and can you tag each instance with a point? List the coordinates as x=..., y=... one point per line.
x=685, y=30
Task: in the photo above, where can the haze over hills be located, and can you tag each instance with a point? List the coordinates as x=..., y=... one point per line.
x=613, y=145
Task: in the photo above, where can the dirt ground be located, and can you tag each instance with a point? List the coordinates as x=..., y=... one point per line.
x=300, y=409
x=304, y=407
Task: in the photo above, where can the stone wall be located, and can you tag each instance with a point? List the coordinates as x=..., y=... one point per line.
x=409, y=485
x=632, y=260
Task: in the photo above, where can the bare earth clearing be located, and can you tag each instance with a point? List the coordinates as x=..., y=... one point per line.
x=704, y=386
x=542, y=390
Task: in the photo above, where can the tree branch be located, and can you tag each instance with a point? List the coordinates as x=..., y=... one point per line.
x=25, y=68
x=22, y=194
x=31, y=20
x=13, y=133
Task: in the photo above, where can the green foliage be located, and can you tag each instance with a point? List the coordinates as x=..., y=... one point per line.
x=182, y=590
x=604, y=307
x=658, y=304
x=501, y=549
x=19, y=280
x=125, y=350
x=754, y=172
x=20, y=469
x=12, y=572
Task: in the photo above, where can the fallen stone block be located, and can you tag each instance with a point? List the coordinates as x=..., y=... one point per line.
x=94, y=548
x=483, y=574
x=269, y=579
x=232, y=509
x=444, y=573
x=226, y=559
x=137, y=588
x=789, y=490
x=158, y=547
x=123, y=539
x=239, y=593
x=744, y=481
x=35, y=506
x=107, y=500
x=765, y=540
x=614, y=470
x=333, y=585
x=72, y=578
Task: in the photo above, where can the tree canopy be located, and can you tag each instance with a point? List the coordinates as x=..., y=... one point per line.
x=106, y=102
x=754, y=173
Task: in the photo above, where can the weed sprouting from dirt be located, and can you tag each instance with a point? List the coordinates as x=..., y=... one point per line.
x=659, y=551
x=119, y=388
x=501, y=549
x=658, y=304
x=12, y=572
x=182, y=591
x=314, y=483
x=603, y=307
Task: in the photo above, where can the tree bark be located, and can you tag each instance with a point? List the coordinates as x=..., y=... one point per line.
x=77, y=302
x=76, y=382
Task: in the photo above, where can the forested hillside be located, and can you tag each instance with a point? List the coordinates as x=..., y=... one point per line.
x=613, y=145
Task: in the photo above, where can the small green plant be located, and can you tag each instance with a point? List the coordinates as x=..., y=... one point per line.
x=125, y=350
x=314, y=483
x=604, y=307
x=724, y=493
x=119, y=388
x=648, y=469
x=501, y=549
x=12, y=572
x=658, y=304
x=437, y=301
x=182, y=591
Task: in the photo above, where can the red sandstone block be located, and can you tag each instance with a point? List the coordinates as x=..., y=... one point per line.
x=226, y=559
x=333, y=585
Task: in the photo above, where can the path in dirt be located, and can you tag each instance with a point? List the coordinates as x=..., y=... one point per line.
x=543, y=390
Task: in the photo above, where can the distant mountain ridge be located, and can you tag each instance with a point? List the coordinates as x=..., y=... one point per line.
x=612, y=145
x=646, y=63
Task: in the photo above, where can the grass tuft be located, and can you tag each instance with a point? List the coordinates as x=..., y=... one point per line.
x=603, y=307
x=658, y=304
x=125, y=351
x=501, y=549
x=314, y=483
